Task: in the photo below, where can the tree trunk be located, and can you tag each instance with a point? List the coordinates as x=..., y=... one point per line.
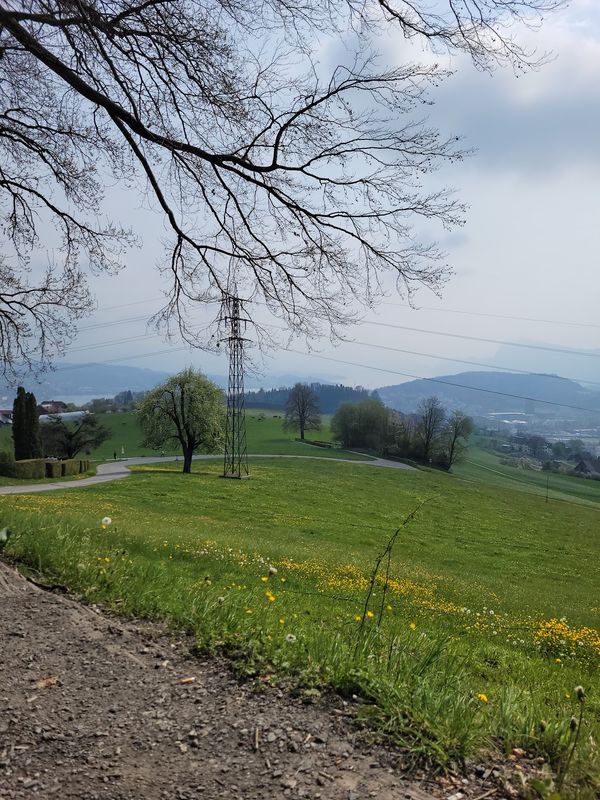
x=187, y=459
x=302, y=431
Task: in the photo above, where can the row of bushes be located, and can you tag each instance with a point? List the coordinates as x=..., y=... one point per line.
x=40, y=468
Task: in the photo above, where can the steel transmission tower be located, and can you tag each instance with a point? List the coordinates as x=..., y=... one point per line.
x=236, y=451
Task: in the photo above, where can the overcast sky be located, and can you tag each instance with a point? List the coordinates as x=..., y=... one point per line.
x=530, y=247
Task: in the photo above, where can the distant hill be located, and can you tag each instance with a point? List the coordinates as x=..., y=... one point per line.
x=484, y=393
x=70, y=381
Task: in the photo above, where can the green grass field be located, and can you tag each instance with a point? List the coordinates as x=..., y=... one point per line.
x=471, y=651
x=264, y=431
x=483, y=466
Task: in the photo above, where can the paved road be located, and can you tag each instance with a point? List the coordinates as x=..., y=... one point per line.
x=115, y=470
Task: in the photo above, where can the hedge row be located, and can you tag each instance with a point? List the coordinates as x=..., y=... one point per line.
x=40, y=468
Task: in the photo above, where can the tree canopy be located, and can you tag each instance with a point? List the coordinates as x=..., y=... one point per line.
x=302, y=411
x=187, y=409
x=302, y=181
x=67, y=439
x=26, y=426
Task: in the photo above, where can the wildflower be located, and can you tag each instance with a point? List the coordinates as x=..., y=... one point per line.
x=107, y=559
x=357, y=618
x=579, y=692
x=389, y=608
x=106, y=521
x=264, y=579
x=282, y=621
x=220, y=599
x=369, y=614
x=413, y=626
x=272, y=571
x=290, y=638
x=568, y=695
x=282, y=580
x=248, y=611
x=270, y=597
x=557, y=661
x=483, y=697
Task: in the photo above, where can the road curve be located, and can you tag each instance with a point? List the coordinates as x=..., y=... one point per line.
x=116, y=470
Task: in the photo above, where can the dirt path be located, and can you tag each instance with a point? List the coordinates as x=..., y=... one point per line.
x=116, y=470
x=98, y=708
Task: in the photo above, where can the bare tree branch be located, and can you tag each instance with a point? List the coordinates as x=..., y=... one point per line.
x=304, y=186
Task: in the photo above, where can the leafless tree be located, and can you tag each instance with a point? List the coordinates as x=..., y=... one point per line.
x=430, y=424
x=302, y=410
x=458, y=429
x=303, y=184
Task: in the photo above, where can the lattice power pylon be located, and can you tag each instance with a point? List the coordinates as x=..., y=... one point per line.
x=236, y=451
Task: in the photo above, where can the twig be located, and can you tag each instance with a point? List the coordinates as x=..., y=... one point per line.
x=489, y=793
x=256, y=739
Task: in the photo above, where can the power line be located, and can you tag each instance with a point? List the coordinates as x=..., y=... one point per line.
x=136, y=303
x=472, y=363
x=495, y=316
x=110, y=323
x=547, y=348
x=445, y=383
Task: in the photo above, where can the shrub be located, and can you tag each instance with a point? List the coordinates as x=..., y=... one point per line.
x=7, y=464
x=53, y=469
x=30, y=468
x=70, y=467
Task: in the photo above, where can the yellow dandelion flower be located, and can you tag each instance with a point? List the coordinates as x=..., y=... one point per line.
x=369, y=614
x=483, y=697
x=557, y=661
x=248, y=611
x=389, y=608
x=282, y=621
x=264, y=579
x=358, y=618
x=413, y=626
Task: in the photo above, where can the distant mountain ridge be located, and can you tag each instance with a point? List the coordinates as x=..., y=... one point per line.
x=485, y=392
x=95, y=380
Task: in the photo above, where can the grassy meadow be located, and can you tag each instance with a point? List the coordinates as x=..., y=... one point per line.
x=475, y=640
x=264, y=431
x=481, y=465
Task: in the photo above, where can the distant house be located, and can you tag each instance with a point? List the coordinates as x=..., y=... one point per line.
x=587, y=467
x=6, y=416
x=52, y=407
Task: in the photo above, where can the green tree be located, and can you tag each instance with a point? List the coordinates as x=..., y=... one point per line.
x=189, y=409
x=302, y=410
x=66, y=440
x=363, y=424
x=33, y=438
x=26, y=426
x=19, y=425
x=343, y=424
x=456, y=435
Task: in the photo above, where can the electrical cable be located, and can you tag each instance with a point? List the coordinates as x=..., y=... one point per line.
x=446, y=383
x=495, y=316
x=586, y=353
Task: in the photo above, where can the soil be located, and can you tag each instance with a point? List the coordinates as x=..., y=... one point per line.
x=96, y=707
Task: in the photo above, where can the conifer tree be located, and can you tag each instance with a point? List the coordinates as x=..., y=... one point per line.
x=19, y=425
x=33, y=438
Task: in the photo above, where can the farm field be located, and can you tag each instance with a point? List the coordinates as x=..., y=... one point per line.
x=488, y=620
x=481, y=465
x=264, y=430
